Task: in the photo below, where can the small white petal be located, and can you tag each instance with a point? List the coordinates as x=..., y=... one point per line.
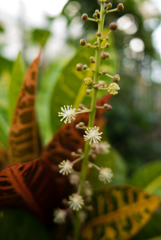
x=67, y=114
x=92, y=135
x=76, y=201
x=59, y=216
x=65, y=167
x=105, y=174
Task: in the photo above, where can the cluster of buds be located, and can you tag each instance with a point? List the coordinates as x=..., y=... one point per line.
x=92, y=135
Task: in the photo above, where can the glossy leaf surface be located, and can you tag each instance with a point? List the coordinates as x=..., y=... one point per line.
x=150, y=175
x=18, y=74
x=119, y=213
x=23, y=138
x=32, y=185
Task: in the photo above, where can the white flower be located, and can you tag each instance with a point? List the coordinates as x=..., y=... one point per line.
x=75, y=201
x=68, y=114
x=65, y=167
x=59, y=216
x=93, y=135
x=105, y=174
x=100, y=148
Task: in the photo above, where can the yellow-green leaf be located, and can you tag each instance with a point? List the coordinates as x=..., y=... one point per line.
x=18, y=74
x=119, y=213
x=24, y=144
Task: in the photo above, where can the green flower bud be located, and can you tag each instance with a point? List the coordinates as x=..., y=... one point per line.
x=82, y=42
x=85, y=67
x=95, y=15
x=98, y=34
x=107, y=45
x=107, y=38
x=113, y=26
x=84, y=16
x=88, y=81
x=92, y=59
x=109, y=5
x=104, y=72
x=79, y=67
x=96, y=43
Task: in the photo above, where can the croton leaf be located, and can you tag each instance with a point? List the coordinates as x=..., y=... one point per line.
x=119, y=213
x=23, y=137
x=3, y=158
x=32, y=185
x=68, y=139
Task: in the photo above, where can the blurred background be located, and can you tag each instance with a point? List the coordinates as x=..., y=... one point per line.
x=133, y=126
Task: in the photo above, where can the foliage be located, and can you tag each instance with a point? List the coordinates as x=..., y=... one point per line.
x=36, y=185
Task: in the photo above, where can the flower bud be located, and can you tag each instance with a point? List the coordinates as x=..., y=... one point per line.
x=81, y=124
x=95, y=15
x=104, y=72
x=107, y=107
x=97, y=11
x=81, y=106
x=85, y=67
x=95, y=86
x=120, y=7
x=79, y=67
x=105, y=55
x=88, y=45
x=107, y=45
x=98, y=34
x=116, y=78
x=107, y=38
x=96, y=43
x=92, y=59
x=101, y=84
x=113, y=26
x=88, y=91
x=88, y=81
x=84, y=16
x=106, y=1
x=82, y=42
x=109, y=5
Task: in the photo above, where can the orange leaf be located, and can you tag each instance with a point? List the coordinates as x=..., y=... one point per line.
x=31, y=185
x=23, y=137
x=68, y=139
x=3, y=158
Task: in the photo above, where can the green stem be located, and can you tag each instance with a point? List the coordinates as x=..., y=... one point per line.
x=91, y=115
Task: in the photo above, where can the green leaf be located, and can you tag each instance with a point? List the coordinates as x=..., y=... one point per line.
x=112, y=160
x=119, y=212
x=18, y=74
x=148, y=177
x=45, y=89
x=152, y=231
x=70, y=88
x=21, y=225
x=40, y=36
x=4, y=126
